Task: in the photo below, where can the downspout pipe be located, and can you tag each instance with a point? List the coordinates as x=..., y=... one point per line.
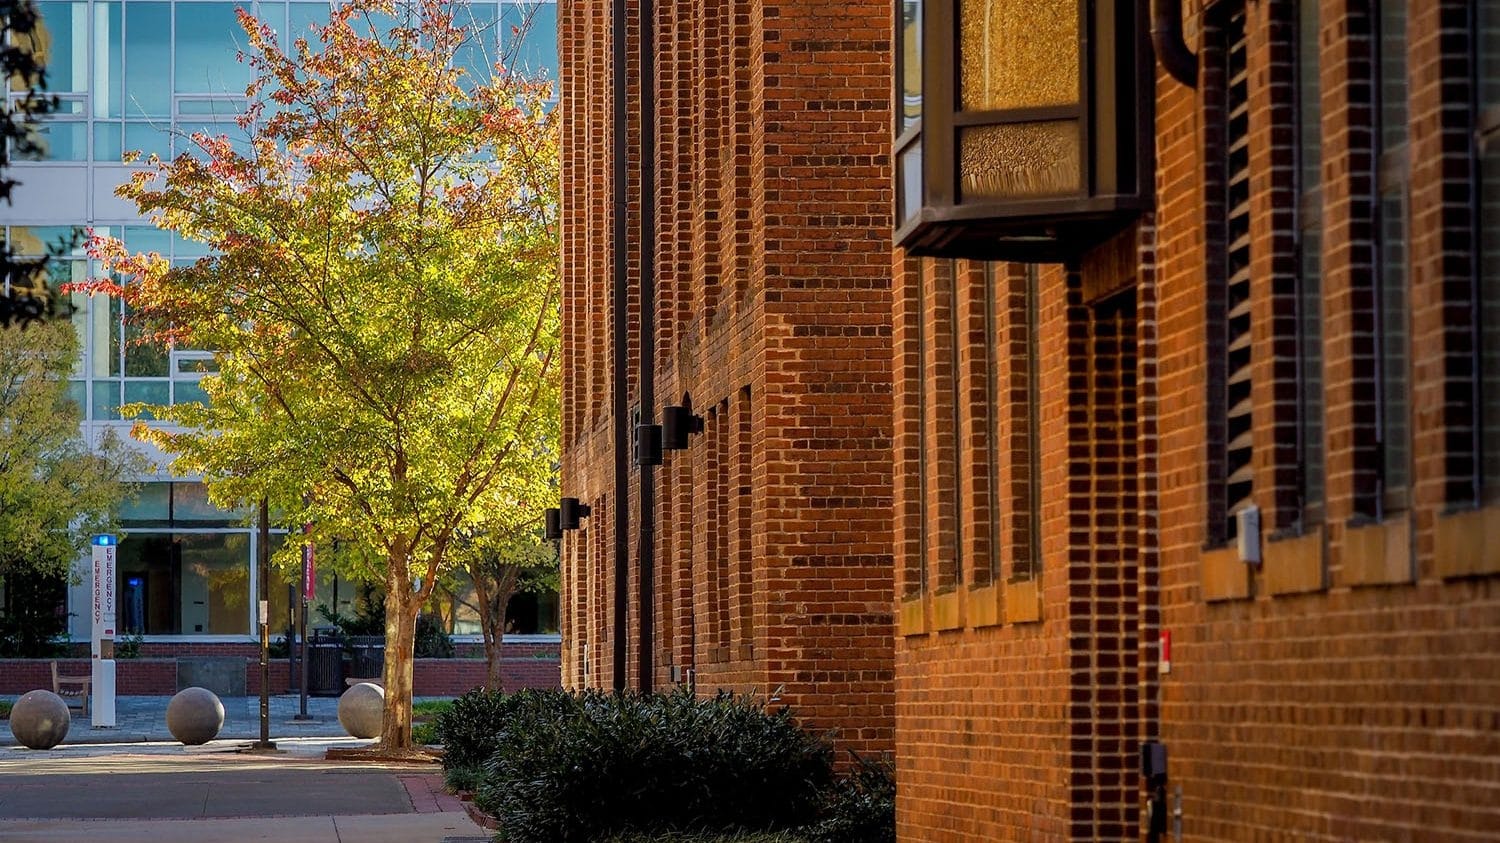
x=1166, y=36
x=647, y=380
x=618, y=321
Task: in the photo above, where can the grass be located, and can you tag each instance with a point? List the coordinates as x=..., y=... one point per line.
x=423, y=729
x=429, y=708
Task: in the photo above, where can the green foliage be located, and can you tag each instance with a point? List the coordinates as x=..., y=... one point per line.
x=32, y=625
x=381, y=295
x=462, y=779
x=5, y=706
x=470, y=728
x=583, y=767
x=861, y=808
x=708, y=837
x=433, y=641
x=368, y=617
x=128, y=645
x=430, y=708
x=27, y=299
x=56, y=490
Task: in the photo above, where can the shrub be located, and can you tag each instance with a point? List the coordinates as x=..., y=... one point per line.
x=463, y=778
x=5, y=706
x=433, y=642
x=470, y=728
x=861, y=807
x=710, y=837
x=579, y=768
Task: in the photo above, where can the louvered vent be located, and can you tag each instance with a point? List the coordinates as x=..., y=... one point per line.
x=1238, y=470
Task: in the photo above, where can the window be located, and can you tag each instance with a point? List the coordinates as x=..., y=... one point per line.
x=1487, y=146
x=1309, y=267
x=173, y=583
x=909, y=116
x=1228, y=209
x=1391, y=303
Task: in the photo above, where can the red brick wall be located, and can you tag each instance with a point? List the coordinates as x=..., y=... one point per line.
x=1335, y=692
x=1343, y=689
x=525, y=666
x=773, y=566
x=1020, y=691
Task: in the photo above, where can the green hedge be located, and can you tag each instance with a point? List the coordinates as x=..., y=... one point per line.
x=556, y=767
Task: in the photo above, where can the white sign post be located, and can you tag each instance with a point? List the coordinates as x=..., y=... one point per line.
x=102, y=641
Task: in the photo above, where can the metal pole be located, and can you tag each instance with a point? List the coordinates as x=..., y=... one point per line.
x=263, y=559
x=302, y=624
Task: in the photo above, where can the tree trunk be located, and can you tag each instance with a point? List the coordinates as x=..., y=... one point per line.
x=493, y=597
x=401, y=609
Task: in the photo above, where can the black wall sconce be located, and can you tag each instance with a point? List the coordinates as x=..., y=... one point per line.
x=554, y=524
x=648, y=440
x=569, y=513
x=677, y=425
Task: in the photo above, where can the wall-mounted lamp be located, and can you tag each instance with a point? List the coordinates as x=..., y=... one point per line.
x=677, y=424
x=554, y=524
x=569, y=513
x=648, y=440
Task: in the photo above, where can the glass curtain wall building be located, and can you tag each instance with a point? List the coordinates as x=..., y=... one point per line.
x=143, y=75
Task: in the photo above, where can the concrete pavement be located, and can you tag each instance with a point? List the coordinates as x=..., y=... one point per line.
x=167, y=797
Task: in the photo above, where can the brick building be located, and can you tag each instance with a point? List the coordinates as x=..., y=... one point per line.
x=1260, y=418
x=764, y=244
x=1195, y=323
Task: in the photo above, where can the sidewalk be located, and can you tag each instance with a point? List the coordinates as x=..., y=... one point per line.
x=133, y=797
x=144, y=719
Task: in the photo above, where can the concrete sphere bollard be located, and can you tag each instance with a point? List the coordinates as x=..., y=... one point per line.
x=195, y=716
x=40, y=720
x=361, y=708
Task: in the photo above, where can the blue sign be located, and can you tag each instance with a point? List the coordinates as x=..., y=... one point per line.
x=105, y=540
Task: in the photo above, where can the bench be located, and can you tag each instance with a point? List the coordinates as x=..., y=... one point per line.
x=351, y=681
x=72, y=686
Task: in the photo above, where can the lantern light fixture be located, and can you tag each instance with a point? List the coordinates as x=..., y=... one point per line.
x=678, y=424
x=1022, y=127
x=570, y=512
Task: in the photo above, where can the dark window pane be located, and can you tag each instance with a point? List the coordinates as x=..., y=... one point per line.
x=150, y=584
x=1392, y=73
x=215, y=576
x=1309, y=104
x=1393, y=339
x=1489, y=52
x=1489, y=317
x=152, y=505
x=1310, y=349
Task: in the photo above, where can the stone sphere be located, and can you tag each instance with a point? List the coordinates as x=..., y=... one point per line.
x=40, y=720
x=195, y=716
x=360, y=710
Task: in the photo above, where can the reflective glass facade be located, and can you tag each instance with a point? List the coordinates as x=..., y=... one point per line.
x=137, y=75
